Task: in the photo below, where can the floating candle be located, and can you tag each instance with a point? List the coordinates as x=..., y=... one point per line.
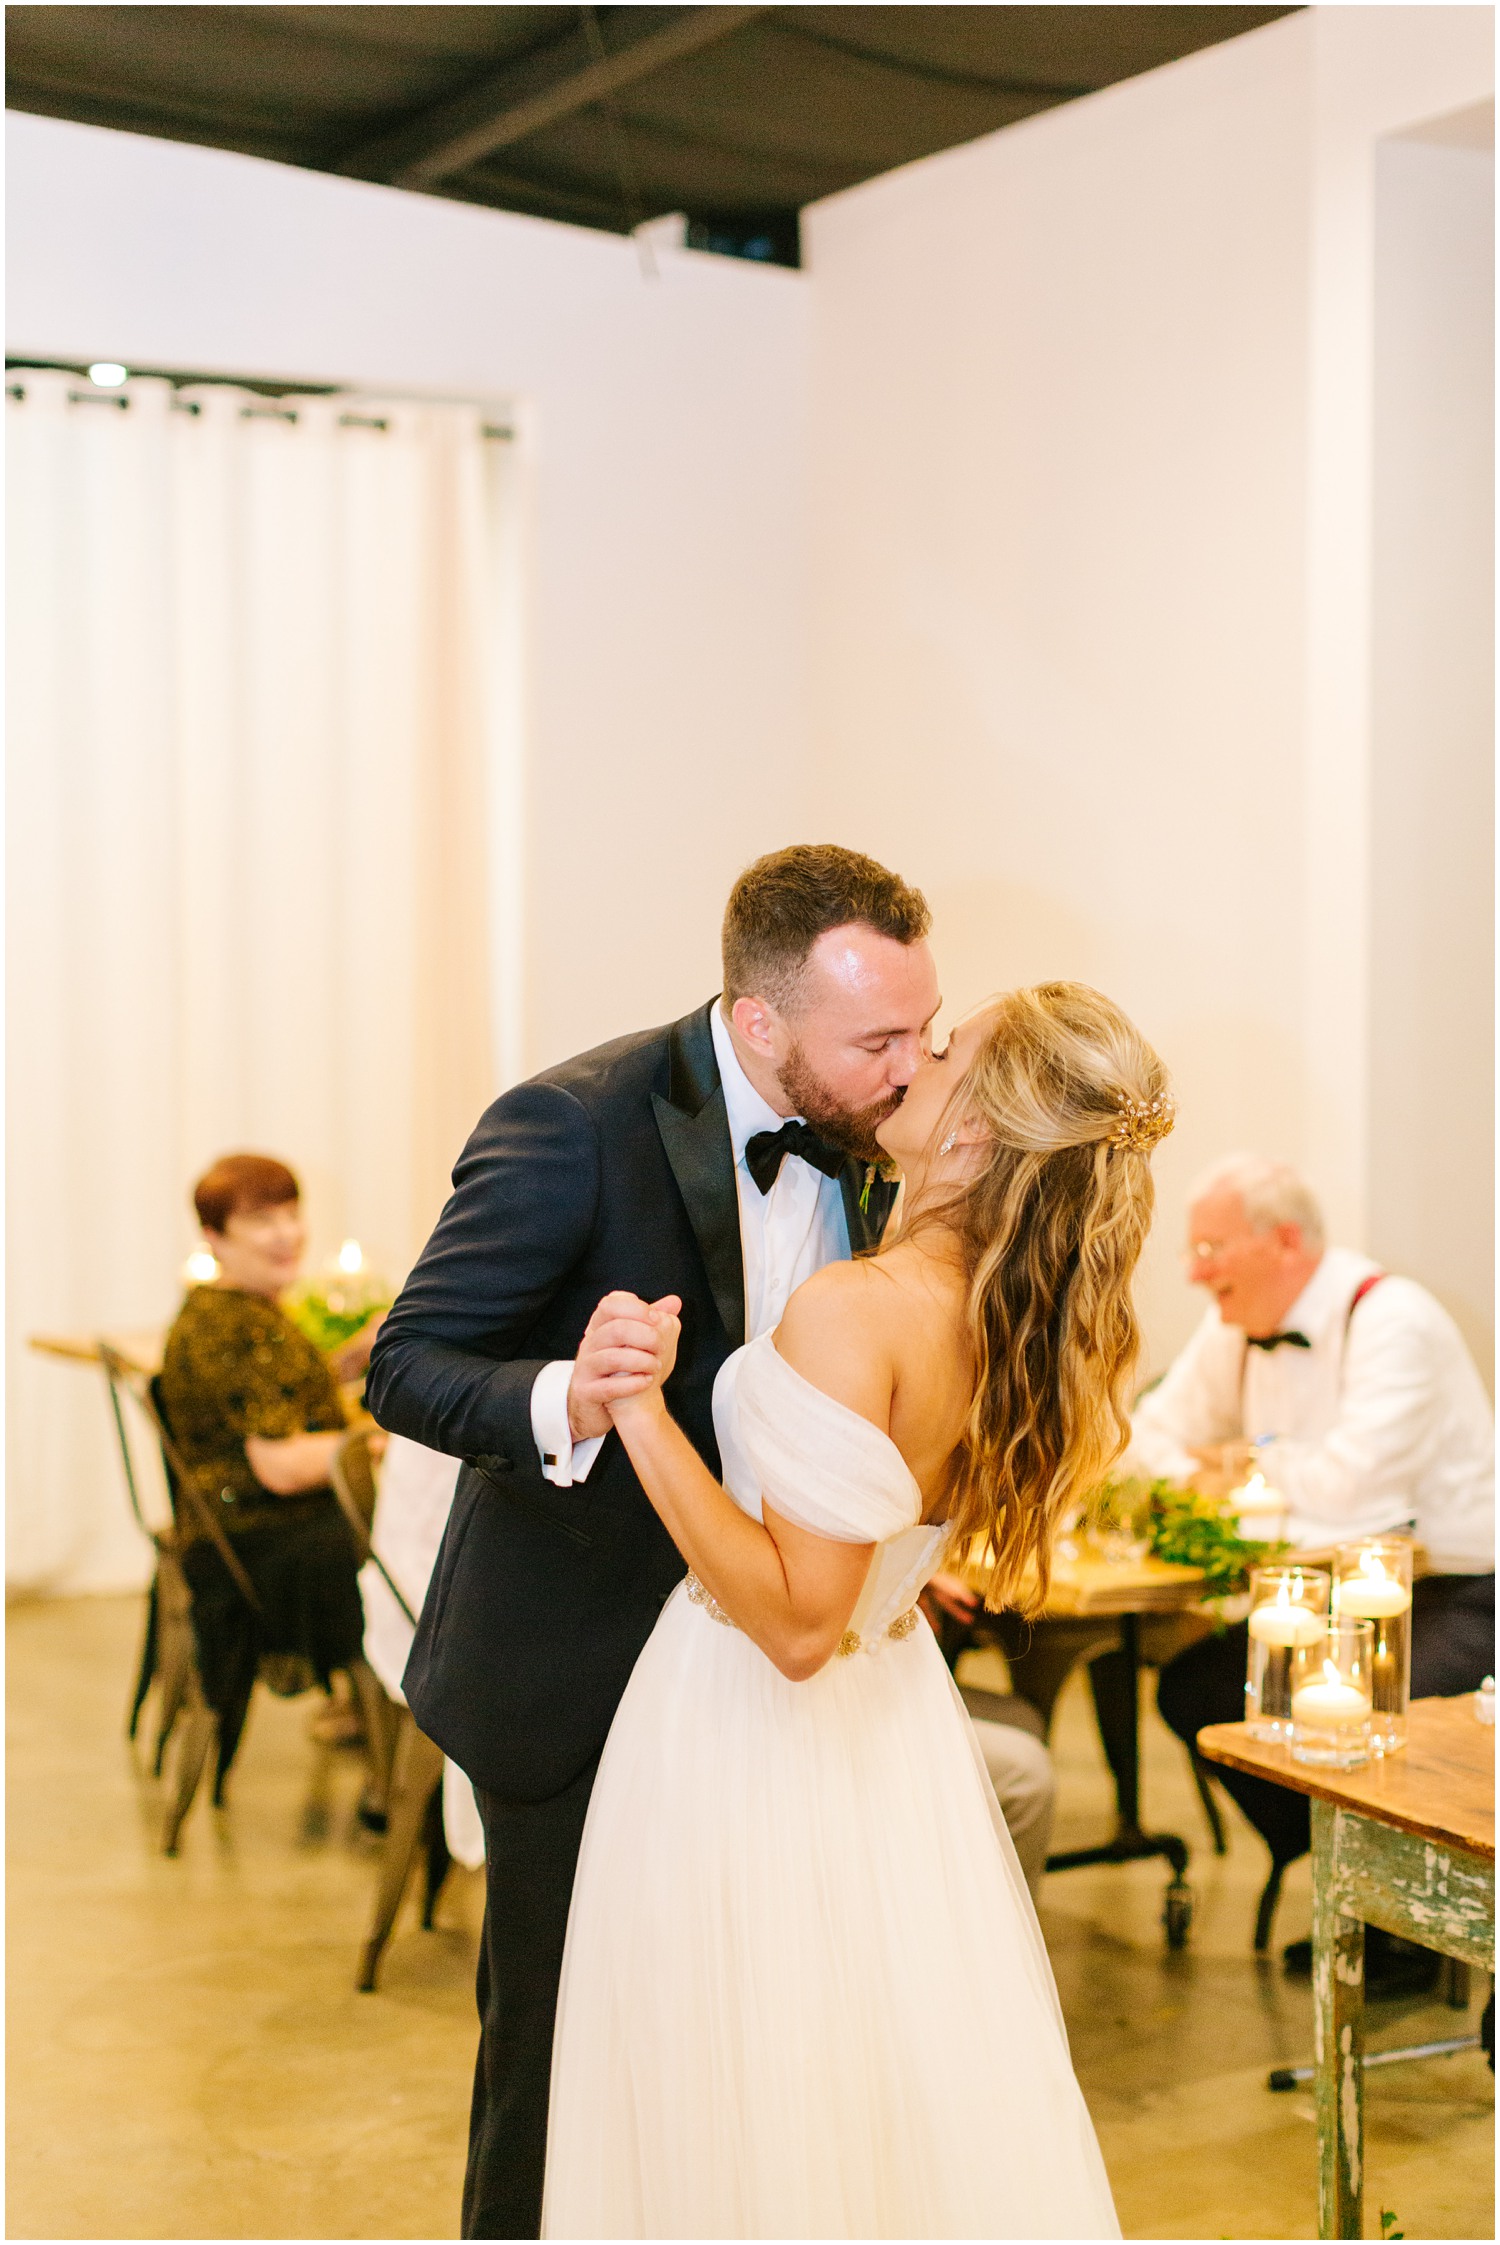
x=1280, y=1623
x=1371, y=1597
x=1331, y=1704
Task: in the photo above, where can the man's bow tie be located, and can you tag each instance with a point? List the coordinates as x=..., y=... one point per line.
x=1278, y=1340
x=766, y=1151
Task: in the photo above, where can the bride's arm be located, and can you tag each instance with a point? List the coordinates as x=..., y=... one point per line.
x=790, y=1591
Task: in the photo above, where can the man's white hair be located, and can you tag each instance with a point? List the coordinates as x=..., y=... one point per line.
x=1271, y=1193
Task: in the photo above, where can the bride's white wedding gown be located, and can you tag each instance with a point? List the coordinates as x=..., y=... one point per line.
x=805, y=1994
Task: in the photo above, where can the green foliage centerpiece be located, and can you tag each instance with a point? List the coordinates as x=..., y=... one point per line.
x=1180, y=1525
x=333, y=1305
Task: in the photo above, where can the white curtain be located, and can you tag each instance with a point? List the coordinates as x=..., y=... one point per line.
x=261, y=767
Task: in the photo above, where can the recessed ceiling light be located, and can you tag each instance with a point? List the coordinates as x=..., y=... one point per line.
x=108, y=374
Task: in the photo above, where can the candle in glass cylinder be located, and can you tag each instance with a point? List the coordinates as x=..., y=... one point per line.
x=1281, y=1624
x=1331, y=1717
x=1374, y=1584
x=1332, y=1703
x=1373, y=1598
x=1288, y=1610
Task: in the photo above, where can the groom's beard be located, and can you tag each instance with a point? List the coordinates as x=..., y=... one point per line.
x=851, y=1129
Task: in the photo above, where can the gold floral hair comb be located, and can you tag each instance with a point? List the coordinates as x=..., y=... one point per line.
x=1143, y=1121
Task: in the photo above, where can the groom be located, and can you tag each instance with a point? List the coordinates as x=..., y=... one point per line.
x=723, y=1159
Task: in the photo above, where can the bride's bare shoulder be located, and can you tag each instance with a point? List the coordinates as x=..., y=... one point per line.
x=835, y=1332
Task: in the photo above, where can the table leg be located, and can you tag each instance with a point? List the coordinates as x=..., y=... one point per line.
x=1338, y=2041
x=1115, y=1681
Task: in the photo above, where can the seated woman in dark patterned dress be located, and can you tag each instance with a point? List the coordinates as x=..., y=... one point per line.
x=255, y=1416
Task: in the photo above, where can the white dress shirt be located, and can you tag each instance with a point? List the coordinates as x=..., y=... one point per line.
x=785, y=1235
x=1382, y=1421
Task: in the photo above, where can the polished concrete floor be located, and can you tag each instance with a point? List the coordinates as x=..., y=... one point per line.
x=188, y=2057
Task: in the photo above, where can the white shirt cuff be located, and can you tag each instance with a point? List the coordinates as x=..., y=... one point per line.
x=564, y=1461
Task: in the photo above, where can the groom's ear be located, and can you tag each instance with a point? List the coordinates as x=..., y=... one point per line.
x=757, y=1023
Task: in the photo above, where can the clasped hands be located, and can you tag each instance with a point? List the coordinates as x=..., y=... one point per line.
x=623, y=1359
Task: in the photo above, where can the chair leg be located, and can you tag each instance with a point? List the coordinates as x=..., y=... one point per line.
x=175, y=1666
x=176, y=1648
x=198, y=1735
x=439, y=1861
x=377, y=1714
x=1210, y=1805
x=148, y=1664
x=1266, y=1911
x=416, y=1774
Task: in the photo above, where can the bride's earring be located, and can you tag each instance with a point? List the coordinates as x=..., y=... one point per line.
x=949, y=1143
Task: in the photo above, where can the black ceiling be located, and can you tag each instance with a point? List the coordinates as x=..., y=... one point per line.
x=602, y=116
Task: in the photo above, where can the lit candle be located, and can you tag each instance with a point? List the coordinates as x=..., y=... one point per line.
x=1279, y=1622
x=1258, y=1509
x=1331, y=1704
x=1371, y=1597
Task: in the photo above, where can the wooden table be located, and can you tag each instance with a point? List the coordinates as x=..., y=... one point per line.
x=142, y=1351
x=1093, y=1612
x=1407, y=1843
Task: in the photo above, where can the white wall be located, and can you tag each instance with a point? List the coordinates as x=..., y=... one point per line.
x=1374, y=71
x=1058, y=578
x=662, y=462
x=1089, y=601
x=664, y=425
x=1432, y=864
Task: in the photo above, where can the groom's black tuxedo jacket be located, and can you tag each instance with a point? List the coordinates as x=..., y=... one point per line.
x=613, y=1170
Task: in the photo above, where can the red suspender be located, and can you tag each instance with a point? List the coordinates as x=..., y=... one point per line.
x=1365, y=1286
x=1361, y=1291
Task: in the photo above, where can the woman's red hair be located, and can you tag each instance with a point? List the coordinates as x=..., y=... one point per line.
x=239, y=1184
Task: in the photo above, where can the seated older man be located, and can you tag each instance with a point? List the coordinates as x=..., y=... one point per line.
x=1374, y=1420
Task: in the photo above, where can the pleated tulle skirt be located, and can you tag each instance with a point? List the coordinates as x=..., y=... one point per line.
x=804, y=1993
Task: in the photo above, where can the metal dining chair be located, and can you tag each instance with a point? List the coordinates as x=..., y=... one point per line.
x=170, y=1653
x=414, y=1815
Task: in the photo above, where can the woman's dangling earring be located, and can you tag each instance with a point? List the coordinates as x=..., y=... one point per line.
x=949, y=1143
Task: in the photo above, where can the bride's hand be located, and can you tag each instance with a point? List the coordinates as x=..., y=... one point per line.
x=632, y=1346
x=655, y=1334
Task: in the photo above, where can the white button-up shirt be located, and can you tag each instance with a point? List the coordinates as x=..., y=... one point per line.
x=1382, y=1421
x=785, y=1235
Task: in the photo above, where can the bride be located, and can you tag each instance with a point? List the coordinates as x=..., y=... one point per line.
x=805, y=1993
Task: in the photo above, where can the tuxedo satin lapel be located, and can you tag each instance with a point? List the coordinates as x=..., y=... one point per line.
x=867, y=1224
x=695, y=1138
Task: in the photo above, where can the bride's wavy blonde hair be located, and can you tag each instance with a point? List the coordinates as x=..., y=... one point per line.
x=1072, y=1098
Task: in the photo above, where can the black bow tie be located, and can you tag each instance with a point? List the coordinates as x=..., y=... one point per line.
x=765, y=1152
x=1278, y=1340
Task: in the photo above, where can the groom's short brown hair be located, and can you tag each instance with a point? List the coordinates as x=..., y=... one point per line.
x=782, y=903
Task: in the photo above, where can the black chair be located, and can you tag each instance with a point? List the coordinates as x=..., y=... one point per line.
x=169, y=1653
x=414, y=1827
x=414, y=1817
x=168, y=1657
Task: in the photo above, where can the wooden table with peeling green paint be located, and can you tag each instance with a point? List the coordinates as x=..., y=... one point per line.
x=1407, y=1843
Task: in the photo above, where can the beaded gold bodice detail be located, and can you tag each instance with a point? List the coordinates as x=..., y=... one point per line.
x=851, y=1641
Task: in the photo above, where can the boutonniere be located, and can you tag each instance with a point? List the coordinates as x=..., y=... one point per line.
x=873, y=1169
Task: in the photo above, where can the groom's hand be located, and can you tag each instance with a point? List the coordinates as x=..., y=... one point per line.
x=620, y=1355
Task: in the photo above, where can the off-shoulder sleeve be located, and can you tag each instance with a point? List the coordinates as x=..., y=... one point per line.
x=820, y=1465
